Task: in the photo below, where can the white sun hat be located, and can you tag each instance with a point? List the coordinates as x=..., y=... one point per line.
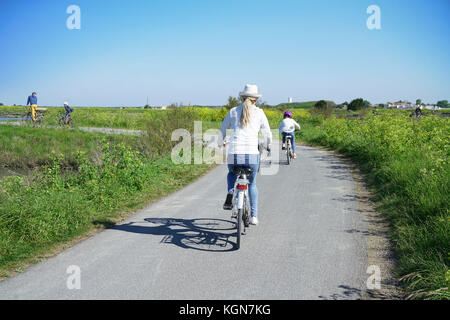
x=250, y=90
x=66, y=103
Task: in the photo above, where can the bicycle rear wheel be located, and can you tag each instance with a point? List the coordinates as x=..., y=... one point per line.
x=239, y=229
x=288, y=152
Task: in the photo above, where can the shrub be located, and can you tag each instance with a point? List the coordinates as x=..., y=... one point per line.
x=356, y=104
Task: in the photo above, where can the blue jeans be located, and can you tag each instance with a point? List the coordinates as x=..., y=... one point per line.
x=285, y=134
x=246, y=160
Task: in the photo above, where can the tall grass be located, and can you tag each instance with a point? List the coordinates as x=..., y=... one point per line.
x=81, y=181
x=407, y=164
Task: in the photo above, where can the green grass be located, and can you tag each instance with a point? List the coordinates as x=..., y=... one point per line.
x=407, y=167
x=36, y=215
x=80, y=181
x=28, y=147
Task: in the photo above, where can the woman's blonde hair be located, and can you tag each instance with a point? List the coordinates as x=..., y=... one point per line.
x=247, y=104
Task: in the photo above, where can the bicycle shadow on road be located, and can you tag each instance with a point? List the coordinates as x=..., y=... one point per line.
x=203, y=234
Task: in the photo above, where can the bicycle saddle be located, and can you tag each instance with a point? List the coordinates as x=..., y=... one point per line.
x=242, y=170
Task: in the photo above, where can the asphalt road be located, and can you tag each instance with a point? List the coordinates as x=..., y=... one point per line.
x=310, y=244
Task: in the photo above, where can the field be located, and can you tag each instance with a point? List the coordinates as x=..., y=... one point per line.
x=404, y=160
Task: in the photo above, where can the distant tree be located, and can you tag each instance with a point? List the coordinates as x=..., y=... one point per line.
x=1, y=104
x=356, y=104
x=321, y=105
x=443, y=104
x=324, y=107
x=232, y=102
x=366, y=103
x=419, y=102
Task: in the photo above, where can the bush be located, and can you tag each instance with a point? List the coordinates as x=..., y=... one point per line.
x=356, y=104
x=232, y=102
x=55, y=204
x=160, y=128
x=324, y=108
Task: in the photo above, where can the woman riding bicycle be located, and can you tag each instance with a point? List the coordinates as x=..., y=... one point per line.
x=287, y=128
x=245, y=120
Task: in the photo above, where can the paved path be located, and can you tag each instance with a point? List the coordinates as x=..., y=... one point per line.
x=310, y=244
x=87, y=129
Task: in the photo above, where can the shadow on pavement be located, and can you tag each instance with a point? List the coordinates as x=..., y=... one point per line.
x=346, y=293
x=212, y=235
x=350, y=293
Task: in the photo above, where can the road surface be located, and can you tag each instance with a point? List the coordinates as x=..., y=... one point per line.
x=311, y=243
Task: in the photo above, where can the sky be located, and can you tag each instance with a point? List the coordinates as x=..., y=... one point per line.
x=202, y=51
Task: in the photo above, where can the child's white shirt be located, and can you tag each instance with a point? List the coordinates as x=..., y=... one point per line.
x=288, y=125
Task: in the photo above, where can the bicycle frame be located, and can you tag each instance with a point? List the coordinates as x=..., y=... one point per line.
x=240, y=192
x=241, y=206
x=289, y=149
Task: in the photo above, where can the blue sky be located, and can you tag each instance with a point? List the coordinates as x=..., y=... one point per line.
x=202, y=51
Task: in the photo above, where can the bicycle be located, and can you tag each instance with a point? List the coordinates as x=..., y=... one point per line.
x=29, y=117
x=241, y=202
x=65, y=119
x=289, y=154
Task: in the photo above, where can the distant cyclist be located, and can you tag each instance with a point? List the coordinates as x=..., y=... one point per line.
x=287, y=128
x=245, y=120
x=68, y=109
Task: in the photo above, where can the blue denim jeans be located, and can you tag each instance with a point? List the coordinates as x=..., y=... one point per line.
x=247, y=160
x=285, y=134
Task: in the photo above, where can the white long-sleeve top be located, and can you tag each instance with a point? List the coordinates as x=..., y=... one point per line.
x=245, y=140
x=288, y=125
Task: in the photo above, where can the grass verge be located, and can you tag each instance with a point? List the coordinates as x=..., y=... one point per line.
x=89, y=182
x=406, y=163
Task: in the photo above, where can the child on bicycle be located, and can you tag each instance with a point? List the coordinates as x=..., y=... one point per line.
x=287, y=128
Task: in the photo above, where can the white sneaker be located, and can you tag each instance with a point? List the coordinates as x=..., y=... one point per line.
x=254, y=220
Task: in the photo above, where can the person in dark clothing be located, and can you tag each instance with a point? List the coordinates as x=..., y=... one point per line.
x=418, y=112
x=66, y=119
x=68, y=109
